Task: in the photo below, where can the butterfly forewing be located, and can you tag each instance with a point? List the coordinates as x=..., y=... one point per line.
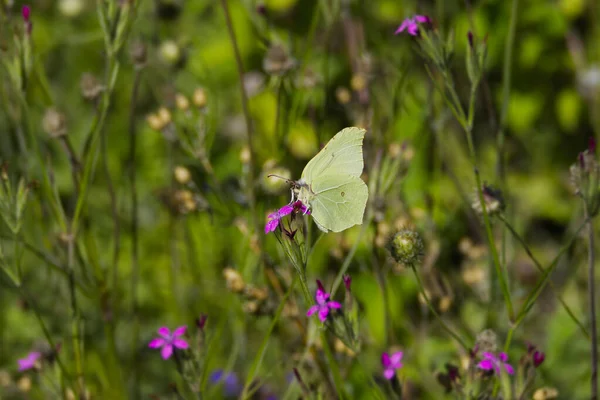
x=339, y=201
x=342, y=155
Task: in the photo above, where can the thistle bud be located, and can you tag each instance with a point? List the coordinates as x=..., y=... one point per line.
x=406, y=247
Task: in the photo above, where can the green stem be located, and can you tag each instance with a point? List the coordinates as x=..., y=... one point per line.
x=541, y=269
x=435, y=313
x=592, y=301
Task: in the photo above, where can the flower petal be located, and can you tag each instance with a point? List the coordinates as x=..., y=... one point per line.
x=166, y=351
x=312, y=310
x=486, y=364
x=509, y=369
x=271, y=225
x=321, y=297
x=422, y=19
x=333, y=304
x=164, y=332
x=180, y=344
x=156, y=343
x=503, y=357
x=323, y=313
x=385, y=360
x=396, y=358
x=489, y=356
x=179, y=331
x=413, y=29
x=389, y=373
x=402, y=26
x=285, y=210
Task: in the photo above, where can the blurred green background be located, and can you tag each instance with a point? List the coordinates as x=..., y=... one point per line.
x=339, y=64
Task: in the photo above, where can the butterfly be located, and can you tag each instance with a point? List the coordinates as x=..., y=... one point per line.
x=330, y=184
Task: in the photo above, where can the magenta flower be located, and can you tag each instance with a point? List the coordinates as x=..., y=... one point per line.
x=391, y=364
x=491, y=362
x=25, y=13
x=411, y=25
x=30, y=361
x=275, y=218
x=167, y=341
x=322, y=305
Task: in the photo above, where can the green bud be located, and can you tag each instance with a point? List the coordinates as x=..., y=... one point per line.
x=406, y=247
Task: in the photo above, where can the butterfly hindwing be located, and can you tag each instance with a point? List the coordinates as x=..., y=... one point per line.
x=339, y=201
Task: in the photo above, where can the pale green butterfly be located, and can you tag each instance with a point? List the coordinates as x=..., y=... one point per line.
x=330, y=184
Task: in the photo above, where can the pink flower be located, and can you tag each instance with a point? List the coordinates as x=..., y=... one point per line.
x=25, y=13
x=322, y=305
x=167, y=341
x=30, y=361
x=411, y=25
x=275, y=218
x=491, y=362
x=391, y=364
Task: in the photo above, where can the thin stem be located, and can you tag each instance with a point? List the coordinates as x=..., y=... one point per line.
x=248, y=119
x=432, y=308
x=134, y=223
x=75, y=331
x=592, y=300
x=506, y=82
x=541, y=269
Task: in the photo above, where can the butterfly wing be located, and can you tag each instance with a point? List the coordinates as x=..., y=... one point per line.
x=342, y=155
x=339, y=201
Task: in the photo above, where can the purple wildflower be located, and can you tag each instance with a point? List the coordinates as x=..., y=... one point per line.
x=347, y=282
x=275, y=217
x=231, y=384
x=167, y=341
x=323, y=306
x=25, y=13
x=391, y=364
x=491, y=362
x=538, y=358
x=411, y=25
x=30, y=361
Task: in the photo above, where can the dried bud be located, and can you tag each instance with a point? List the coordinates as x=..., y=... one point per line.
x=199, y=98
x=90, y=86
x=154, y=122
x=138, y=53
x=585, y=178
x=170, y=52
x=54, y=123
x=234, y=280
x=406, y=247
x=182, y=175
x=277, y=61
x=494, y=201
x=470, y=38
x=358, y=82
x=165, y=116
x=487, y=341
x=545, y=393
x=182, y=102
x=343, y=95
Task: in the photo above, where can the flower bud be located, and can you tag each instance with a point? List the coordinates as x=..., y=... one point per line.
x=170, y=52
x=154, y=122
x=182, y=102
x=199, y=98
x=90, y=86
x=406, y=247
x=138, y=53
x=164, y=115
x=277, y=61
x=234, y=280
x=54, y=123
x=343, y=95
x=201, y=321
x=494, y=201
x=182, y=175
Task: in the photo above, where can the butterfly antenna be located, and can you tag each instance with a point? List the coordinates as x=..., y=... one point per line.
x=291, y=182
